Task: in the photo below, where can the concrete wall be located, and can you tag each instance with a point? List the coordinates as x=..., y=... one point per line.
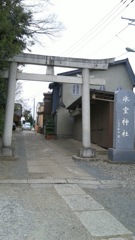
x=64, y=123
x=67, y=94
x=116, y=76
x=77, y=131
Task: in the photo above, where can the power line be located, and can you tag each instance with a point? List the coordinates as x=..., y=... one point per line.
x=121, y=55
x=122, y=40
x=36, y=94
x=77, y=48
x=94, y=29
x=89, y=40
x=111, y=39
x=98, y=25
x=91, y=30
x=106, y=43
x=122, y=30
x=117, y=33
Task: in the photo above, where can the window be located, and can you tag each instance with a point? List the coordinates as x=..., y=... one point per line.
x=76, y=89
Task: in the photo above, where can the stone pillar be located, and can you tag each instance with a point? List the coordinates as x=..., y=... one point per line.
x=123, y=128
x=49, y=70
x=7, y=134
x=86, y=108
x=86, y=151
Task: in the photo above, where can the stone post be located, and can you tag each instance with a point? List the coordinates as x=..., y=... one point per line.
x=7, y=134
x=86, y=151
x=123, y=129
x=86, y=109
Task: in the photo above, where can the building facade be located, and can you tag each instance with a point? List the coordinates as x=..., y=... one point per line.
x=67, y=103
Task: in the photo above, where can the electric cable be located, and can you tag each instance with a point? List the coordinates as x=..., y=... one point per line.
x=106, y=43
x=86, y=42
x=114, y=37
x=95, y=27
x=92, y=29
x=76, y=49
x=98, y=25
x=121, y=55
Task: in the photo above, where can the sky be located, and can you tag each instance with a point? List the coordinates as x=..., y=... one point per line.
x=94, y=29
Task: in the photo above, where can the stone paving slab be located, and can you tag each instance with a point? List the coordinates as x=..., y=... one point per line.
x=82, y=203
x=40, y=169
x=2, y=181
x=83, y=181
x=68, y=189
x=42, y=162
x=34, y=181
x=102, y=223
x=98, y=221
x=89, y=186
x=48, y=180
x=61, y=174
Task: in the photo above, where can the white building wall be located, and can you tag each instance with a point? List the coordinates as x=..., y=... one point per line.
x=64, y=127
x=115, y=76
x=77, y=131
x=67, y=94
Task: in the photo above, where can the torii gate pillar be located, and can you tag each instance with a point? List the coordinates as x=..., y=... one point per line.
x=86, y=151
x=7, y=134
x=53, y=61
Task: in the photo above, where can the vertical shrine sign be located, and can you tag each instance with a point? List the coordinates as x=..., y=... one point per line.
x=123, y=133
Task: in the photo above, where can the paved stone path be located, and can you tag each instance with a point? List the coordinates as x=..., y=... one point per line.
x=98, y=221
x=49, y=199
x=36, y=211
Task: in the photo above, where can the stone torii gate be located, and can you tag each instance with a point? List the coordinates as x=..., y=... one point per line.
x=53, y=61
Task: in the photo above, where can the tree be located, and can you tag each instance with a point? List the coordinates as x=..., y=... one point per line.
x=18, y=29
x=27, y=115
x=43, y=22
x=3, y=93
x=19, y=96
x=13, y=29
x=13, y=32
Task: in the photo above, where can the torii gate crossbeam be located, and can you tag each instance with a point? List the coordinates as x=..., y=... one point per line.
x=52, y=61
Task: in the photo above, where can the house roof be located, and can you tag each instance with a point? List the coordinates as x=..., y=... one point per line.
x=123, y=61
x=52, y=85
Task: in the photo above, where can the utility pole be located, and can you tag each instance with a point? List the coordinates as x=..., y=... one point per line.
x=132, y=20
x=33, y=110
